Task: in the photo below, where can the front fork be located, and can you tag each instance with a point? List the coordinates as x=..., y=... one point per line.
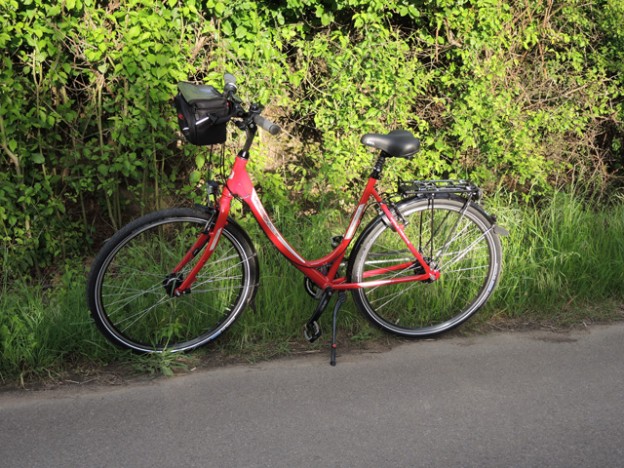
x=207, y=242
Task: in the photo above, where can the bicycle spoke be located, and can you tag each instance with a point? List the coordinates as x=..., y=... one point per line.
x=393, y=296
x=136, y=316
x=125, y=300
x=465, y=251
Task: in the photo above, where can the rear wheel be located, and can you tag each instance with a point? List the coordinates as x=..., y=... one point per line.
x=130, y=288
x=455, y=238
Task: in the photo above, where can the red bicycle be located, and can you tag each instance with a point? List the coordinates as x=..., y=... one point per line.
x=176, y=279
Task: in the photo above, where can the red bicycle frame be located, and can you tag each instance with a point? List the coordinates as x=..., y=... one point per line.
x=239, y=185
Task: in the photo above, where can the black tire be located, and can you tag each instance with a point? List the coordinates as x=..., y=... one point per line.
x=129, y=301
x=470, y=265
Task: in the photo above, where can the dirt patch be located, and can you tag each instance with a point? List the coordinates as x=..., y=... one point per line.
x=145, y=369
x=556, y=338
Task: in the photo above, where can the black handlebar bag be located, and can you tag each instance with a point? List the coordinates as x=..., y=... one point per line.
x=202, y=114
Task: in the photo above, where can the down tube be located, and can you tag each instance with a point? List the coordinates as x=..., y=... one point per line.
x=282, y=245
x=271, y=231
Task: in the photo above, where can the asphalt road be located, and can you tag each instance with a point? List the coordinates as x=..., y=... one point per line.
x=536, y=399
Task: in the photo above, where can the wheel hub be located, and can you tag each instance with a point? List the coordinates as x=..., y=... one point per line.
x=420, y=270
x=172, y=282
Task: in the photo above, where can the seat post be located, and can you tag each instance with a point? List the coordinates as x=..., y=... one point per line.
x=379, y=165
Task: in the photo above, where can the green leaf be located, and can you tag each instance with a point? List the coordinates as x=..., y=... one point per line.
x=241, y=32
x=54, y=10
x=226, y=28
x=134, y=31
x=194, y=177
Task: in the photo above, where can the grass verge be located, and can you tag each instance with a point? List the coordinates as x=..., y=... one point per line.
x=563, y=266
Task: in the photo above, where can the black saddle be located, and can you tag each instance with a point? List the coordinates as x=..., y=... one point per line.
x=398, y=143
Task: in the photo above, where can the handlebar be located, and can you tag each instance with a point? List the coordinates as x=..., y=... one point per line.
x=229, y=89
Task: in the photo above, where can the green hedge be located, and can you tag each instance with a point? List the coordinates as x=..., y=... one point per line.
x=524, y=95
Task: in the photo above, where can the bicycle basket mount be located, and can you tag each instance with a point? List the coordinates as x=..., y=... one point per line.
x=202, y=113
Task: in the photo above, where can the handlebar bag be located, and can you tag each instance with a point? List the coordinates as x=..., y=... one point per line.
x=202, y=114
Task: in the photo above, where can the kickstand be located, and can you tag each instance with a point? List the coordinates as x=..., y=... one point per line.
x=342, y=297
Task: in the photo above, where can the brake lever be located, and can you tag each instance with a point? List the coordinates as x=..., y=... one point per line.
x=247, y=117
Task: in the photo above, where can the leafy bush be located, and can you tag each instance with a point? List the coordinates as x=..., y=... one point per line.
x=522, y=95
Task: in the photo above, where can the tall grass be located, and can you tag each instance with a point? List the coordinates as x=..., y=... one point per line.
x=563, y=259
x=44, y=328
x=563, y=263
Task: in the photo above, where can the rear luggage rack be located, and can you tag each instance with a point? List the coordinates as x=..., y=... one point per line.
x=427, y=187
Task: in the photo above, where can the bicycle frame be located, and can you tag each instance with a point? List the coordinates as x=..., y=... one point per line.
x=239, y=185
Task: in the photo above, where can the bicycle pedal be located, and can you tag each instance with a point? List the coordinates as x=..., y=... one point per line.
x=312, y=331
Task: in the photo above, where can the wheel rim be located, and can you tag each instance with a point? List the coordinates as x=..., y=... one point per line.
x=133, y=298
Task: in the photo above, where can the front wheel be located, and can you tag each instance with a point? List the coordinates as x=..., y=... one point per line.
x=454, y=237
x=130, y=287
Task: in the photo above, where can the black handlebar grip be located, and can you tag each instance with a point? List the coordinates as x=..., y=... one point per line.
x=230, y=83
x=267, y=125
